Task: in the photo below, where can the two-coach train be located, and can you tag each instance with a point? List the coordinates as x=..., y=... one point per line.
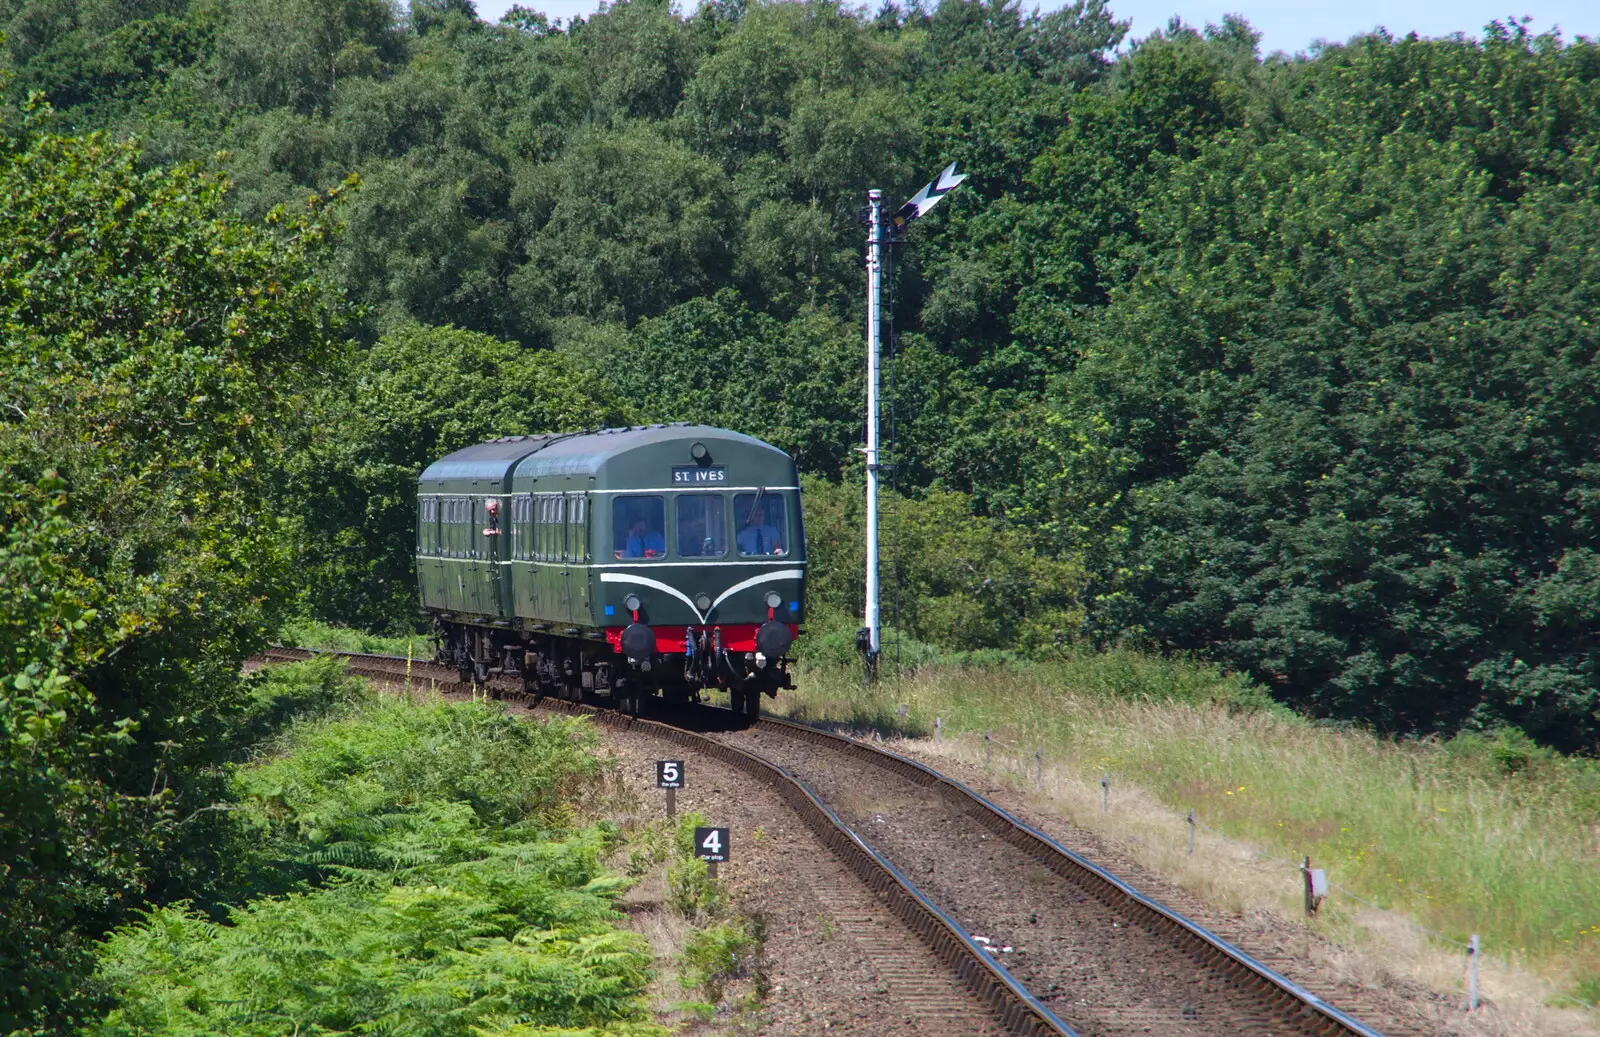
x=664, y=559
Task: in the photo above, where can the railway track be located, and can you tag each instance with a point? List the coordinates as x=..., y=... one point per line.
x=1088, y=954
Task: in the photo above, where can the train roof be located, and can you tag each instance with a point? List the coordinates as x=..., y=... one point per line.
x=575, y=453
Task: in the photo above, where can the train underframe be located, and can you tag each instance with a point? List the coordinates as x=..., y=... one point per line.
x=568, y=665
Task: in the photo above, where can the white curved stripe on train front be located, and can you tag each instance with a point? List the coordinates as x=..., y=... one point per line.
x=783, y=574
x=645, y=581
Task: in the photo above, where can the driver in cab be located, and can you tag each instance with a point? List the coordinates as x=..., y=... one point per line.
x=759, y=536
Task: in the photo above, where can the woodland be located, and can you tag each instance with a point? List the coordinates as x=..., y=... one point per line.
x=1286, y=363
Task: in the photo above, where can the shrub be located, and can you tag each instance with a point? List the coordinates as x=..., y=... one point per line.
x=721, y=953
x=439, y=903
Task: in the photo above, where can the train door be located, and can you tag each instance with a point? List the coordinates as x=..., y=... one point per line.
x=452, y=572
x=477, y=565
x=429, y=584
x=576, y=573
x=560, y=567
x=521, y=572
x=552, y=584
x=468, y=566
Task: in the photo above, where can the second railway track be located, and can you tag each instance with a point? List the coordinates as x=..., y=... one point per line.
x=1089, y=954
x=1106, y=959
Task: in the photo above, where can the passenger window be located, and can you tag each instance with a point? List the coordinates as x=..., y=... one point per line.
x=577, y=529
x=702, y=525
x=541, y=524
x=559, y=531
x=553, y=539
x=638, y=527
x=519, y=524
x=763, y=524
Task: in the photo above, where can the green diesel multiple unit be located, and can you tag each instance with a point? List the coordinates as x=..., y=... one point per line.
x=661, y=558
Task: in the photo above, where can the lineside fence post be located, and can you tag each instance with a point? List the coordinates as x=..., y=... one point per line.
x=1472, y=973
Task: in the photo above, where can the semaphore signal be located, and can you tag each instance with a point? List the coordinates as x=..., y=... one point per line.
x=881, y=232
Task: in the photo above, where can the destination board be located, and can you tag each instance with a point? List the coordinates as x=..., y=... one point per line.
x=699, y=475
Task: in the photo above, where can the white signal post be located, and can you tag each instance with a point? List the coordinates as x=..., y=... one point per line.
x=879, y=234
x=875, y=242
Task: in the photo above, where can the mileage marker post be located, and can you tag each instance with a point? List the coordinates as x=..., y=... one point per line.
x=712, y=846
x=669, y=776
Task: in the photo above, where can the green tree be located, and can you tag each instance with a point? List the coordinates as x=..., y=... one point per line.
x=417, y=394
x=1344, y=418
x=152, y=347
x=796, y=385
x=296, y=54
x=48, y=807
x=625, y=224
x=952, y=579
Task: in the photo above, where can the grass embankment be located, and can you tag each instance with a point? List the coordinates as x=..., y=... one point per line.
x=310, y=633
x=710, y=953
x=407, y=868
x=1485, y=834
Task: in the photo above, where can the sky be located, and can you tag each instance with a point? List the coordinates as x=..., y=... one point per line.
x=1287, y=25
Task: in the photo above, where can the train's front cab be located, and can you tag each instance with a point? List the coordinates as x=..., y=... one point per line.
x=698, y=561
